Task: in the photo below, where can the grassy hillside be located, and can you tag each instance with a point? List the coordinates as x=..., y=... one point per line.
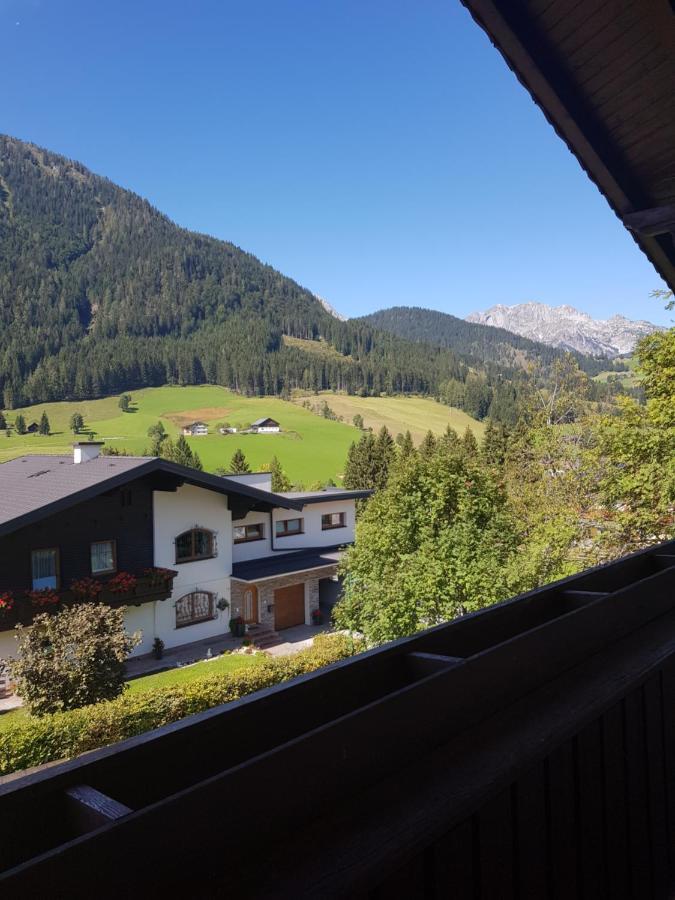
x=416, y=414
x=310, y=449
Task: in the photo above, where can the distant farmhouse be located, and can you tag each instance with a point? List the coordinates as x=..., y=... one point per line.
x=33, y=428
x=195, y=428
x=265, y=426
x=228, y=429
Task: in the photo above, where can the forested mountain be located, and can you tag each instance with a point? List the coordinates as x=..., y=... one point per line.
x=478, y=343
x=100, y=292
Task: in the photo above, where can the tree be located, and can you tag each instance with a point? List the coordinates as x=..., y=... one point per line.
x=494, y=446
x=469, y=443
x=437, y=542
x=20, y=424
x=181, y=453
x=76, y=422
x=3, y=421
x=357, y=421
x=73, y=658
x=405, y=444
x=238, y=463
x=157, y=434
x=428, y=446
x=362, y=467
x=384, y=456
x=280, y=481
x=44, y=424
x=124, y=402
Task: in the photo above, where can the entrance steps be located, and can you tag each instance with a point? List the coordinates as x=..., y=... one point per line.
x=263, y=636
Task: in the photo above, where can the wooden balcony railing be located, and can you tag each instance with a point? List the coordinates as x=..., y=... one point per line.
x=148, y=588
x=524, y=751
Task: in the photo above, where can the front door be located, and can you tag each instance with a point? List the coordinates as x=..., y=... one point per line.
x=289, y=606
x=250, y=611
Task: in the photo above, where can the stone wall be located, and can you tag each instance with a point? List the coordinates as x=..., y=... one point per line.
x=267, y=588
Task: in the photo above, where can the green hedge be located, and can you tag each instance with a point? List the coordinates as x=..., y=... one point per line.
x=34, y=741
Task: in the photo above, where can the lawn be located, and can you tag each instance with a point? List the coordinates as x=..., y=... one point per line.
x=311, y=449
x=416, y=414
x=218, y=666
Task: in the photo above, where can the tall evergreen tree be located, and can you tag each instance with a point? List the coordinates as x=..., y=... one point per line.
x=406, y=445
x=384, y=456
x=469, y=443
x=76, y=422
x=20, y=424
x=44, y=424
x=3, y=421
x=363, y=468
x=428, y=446
x=180, y=452
x=280, y=480
x=239, y=464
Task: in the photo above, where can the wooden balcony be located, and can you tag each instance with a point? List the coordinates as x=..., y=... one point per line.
x=148, y=588
x=524, y=751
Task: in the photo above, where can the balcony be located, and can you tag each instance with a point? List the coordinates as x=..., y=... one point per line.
x=147, y=587
x=526, y=750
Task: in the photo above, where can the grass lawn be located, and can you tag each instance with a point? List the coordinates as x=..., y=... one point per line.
x=217, y=666
x=311, y=449
x=416, y=414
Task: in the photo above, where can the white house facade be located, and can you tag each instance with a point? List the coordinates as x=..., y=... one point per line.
x=199, y=550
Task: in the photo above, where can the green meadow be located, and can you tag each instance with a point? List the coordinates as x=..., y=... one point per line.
x=310, y=447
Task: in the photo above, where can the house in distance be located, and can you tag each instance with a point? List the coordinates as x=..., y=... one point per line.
x=265, y=426
x=195, y=428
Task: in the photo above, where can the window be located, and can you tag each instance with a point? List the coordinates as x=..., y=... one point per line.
x=195, y=544
x=103, y=557
x=45, y=569
x=333, y=520
x=287, y=527
x=199, y=606
x=245, y=533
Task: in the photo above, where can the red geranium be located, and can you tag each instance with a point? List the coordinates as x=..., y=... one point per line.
x=122, y=583
x=43, y=597
x=86, y=588
x=158, y=574
x=6, y=601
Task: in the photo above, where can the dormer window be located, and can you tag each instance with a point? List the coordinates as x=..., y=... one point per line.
x=198, y=543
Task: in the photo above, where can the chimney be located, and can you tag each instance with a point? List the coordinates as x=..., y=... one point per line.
x=85, y=451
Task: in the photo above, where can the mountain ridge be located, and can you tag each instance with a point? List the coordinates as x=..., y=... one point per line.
x=567, y=328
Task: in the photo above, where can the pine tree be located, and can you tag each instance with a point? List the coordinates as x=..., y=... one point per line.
x=428, y=446
x=76, y=422
x=384, y=456
x=362, y=467
x=20, y=424
x=450, y=440
x=239, y=464
x=181, y=453
x=469, y=444
x=280, y=480
x=406, y=445
x=494, y=446
x=44, y=424
x=3, y=421
x=357, y=421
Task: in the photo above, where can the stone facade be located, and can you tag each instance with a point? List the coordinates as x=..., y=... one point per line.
x=267, y=588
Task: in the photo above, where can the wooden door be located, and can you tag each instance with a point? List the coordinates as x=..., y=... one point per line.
x=250, y=605
x=289, y=606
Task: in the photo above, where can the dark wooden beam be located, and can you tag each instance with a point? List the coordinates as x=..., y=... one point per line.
x=650, y=222
x=88, y=808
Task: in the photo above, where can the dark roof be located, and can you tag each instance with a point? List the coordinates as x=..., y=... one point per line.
x=33, y=487
x=603, y=74
x=263, y=421
x=286, y=563
x=326, y=496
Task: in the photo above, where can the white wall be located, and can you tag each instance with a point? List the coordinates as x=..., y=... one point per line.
x=253, y=549
x=175, y=513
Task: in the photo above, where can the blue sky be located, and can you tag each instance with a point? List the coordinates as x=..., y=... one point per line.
x=378, y=151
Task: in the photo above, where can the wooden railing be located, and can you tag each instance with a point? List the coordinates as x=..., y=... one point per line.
x=524, y=751
x=148, y=589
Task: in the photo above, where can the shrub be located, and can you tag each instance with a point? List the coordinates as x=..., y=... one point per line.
x=35, y=741
x=72, y=659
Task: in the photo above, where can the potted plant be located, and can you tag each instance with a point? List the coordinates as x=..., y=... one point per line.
x=43, y=598
x=158, y=648
x=222, y=604
x=317, y=617
x=237, y=626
